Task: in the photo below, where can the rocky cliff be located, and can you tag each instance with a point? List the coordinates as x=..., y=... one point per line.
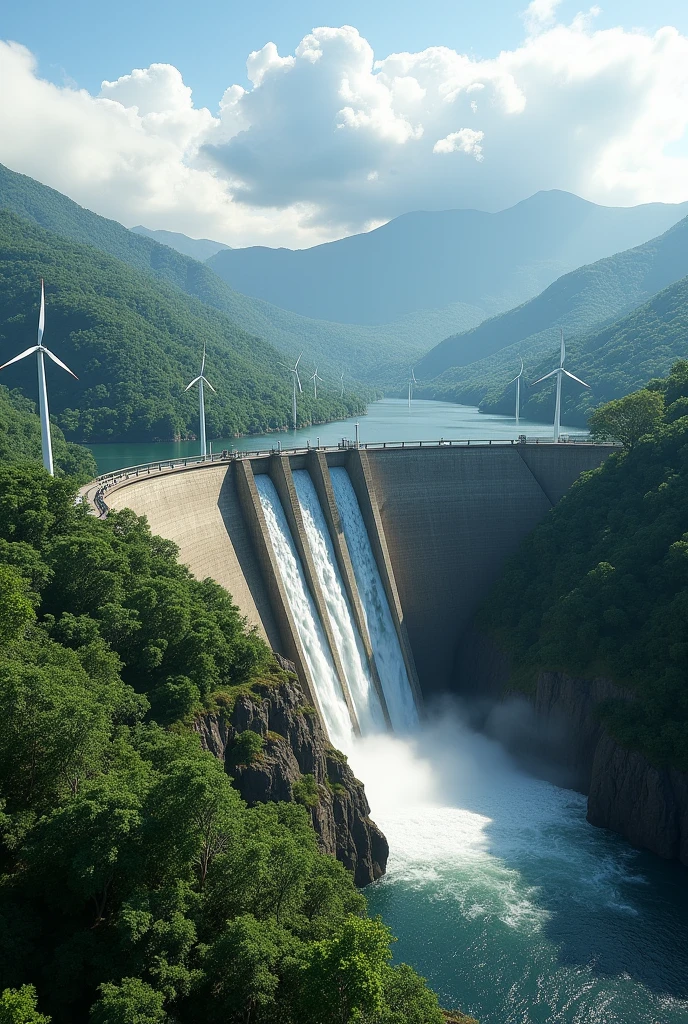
x=648, y=806
x=296, y=750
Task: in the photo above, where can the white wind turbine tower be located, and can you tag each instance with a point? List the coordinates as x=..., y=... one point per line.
x=315, y=377
x=40, y=351
x=201, y=380
x=412, y=381
x=560, y=371
x=341, y=381
x=297, y=384
x=517, y=381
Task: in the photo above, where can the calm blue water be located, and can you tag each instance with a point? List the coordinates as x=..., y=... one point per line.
x=512, y=906
x=387, y=420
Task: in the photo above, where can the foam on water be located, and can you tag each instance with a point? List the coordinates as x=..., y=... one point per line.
x=346, y=636
x=507, y=900
x=308, y=625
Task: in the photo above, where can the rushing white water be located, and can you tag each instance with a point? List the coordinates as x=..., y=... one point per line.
x=310, y=630
x=383, y=636
x=346, y=636
x=502, y=895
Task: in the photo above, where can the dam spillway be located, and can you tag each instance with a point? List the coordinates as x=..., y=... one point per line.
x=439, y=523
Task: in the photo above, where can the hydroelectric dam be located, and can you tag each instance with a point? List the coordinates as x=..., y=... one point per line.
x=364, y=566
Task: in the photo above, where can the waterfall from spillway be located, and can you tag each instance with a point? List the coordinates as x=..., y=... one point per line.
x=346, y=635
x=329, y=692
x=383, y=636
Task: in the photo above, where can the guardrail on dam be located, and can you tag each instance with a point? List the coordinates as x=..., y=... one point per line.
x=441, y=519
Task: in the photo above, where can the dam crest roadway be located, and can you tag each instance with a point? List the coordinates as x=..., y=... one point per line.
x=367, y=570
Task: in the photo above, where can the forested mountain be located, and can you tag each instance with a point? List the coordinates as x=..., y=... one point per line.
x=425, y=261
x=359, y=351
x=599, y=588
x=20, y=439
x=135, y=883
x=197, y=248
x=619, y=354
x=134, y=342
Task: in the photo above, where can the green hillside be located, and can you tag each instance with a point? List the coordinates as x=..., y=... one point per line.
x=599, y=588
x=358, y=351
x=135, y=341
x=137, y=887
x=20, y=439
x=618, y=354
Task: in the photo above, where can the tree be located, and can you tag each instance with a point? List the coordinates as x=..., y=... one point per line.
x=131, y=1002
x=16, y=610
x=627, y=419
x=18, y=1006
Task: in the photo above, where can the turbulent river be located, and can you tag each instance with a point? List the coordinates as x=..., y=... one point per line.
x=508, y=902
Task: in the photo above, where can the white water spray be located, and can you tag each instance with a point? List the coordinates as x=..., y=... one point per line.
x=346, y=636
x=332, y=704
x=383, y=636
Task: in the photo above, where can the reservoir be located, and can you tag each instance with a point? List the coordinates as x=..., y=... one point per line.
x=387, y=420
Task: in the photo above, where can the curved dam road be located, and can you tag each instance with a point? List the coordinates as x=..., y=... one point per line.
x=441, y=521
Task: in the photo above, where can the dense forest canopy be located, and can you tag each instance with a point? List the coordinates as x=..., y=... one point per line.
x=135, y=342
x=136, y=886
x=20, y=439
x=599, y=588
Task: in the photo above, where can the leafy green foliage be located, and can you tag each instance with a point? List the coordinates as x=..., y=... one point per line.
x=305, y=791
x=135, y=342
x=599, y=588
x=627, y=419
x=247, y=748
x=20, y=439
x=136, y=886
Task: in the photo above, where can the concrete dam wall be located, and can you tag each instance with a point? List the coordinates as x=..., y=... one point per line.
x=439, y=522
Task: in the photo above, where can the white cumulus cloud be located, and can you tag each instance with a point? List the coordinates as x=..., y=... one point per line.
x=330, y=140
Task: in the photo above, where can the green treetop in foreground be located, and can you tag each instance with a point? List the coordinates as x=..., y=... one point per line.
x=601, y=585
x=136, y=886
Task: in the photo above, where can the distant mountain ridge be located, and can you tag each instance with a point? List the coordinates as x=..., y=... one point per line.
x=601, y=308
x=358, y=351
x=197, y=248
x=423, y=260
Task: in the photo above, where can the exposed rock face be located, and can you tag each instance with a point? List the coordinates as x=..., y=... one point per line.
x=295, y=745
x=648, y=806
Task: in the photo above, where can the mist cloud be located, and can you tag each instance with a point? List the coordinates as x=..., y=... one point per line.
x=329, y=140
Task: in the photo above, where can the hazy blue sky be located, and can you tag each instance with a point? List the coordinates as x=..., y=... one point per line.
x=210, y=40
x=348, y=114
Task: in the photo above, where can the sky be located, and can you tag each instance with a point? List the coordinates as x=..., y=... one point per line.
x=292, y=124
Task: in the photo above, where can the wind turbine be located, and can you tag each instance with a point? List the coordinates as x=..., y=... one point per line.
x=412, y=381
x=40, y=351
x=517, y=381
x=201, y=380
x=560, y=371
x=341, y=381
x=315, y=377
x=297, y=383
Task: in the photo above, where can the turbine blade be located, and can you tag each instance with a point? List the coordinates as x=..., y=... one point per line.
x=298, y=361
x=573, y=377
x=59, y=362
x=41, y=315
x=298, y=381
x=512, y=381
x=563, y=348
x=521, y=367
x=203, y=362
x=21, y=355
x=206, y=381
x=550, y=374
x=194, y=381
